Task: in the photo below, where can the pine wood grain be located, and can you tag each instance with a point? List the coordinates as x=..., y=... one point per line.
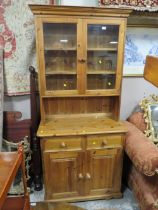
x=81, y=138
x=80, y=126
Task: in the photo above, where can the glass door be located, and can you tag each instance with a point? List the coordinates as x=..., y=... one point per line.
x=60, y=53
x=102, y=51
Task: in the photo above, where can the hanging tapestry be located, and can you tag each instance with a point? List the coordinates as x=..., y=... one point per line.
x=142, y=5
x=17, y=38
x=1, y=96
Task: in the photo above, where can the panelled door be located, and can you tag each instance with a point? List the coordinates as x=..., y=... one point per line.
x=102, y=165
x=64, y=174
x=60, y=41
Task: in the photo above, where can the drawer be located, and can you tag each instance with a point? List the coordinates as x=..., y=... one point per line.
x=61, y=143
x=101, y=141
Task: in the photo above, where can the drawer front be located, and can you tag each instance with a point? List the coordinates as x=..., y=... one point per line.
x=61, y=143
x=104, y=141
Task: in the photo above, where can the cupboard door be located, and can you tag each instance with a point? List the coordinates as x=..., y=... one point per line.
x=102, y=166
x=60, y=56
x=60, y=52
x=103, y=54
x=63, y=174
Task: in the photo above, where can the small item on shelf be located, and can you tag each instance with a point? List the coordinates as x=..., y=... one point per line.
x=109, y=83
x=100, y=61
x=104, y=63
x=65, y=85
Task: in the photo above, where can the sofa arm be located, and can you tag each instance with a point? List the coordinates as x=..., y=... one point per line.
x=137, y=118
x=142, y=152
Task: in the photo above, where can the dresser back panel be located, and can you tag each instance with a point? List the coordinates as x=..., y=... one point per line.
x=79, y=105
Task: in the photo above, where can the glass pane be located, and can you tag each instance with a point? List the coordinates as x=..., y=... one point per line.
x=102, y=49
x=101, y=62
x=60, y=56
x=61, y=82
x=100, y=81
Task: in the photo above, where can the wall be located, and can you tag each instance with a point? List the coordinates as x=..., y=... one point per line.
x=18, y=103
x=133, y=90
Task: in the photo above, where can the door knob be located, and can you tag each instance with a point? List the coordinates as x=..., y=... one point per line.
x=104, y=142
x=63, y=145
x=80, y=176
x=88, y=176
x=82, y=60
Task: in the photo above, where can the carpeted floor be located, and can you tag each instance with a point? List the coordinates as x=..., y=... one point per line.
x=127, y=202
x=108, y=209
x=60, y=206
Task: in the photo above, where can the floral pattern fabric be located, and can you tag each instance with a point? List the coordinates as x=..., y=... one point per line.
x=141, y=151
x=1, y=96
x=151, y=5
x=144, y=188
x=142, y=174
x=17, y=38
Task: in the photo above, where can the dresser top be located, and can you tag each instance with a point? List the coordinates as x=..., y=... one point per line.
x=39, y=10
x=80, y=126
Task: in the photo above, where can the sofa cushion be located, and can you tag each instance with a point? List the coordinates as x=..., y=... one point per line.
x=138, y=120
x=145, y=189
x=141, y=151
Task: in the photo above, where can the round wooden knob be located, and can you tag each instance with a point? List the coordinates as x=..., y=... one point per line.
x=82, y=60
x=88, y=176
x=63, y=145
x=104, y=142
x=80, y=176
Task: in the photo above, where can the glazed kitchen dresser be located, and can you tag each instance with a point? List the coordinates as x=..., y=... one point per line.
x=80, y=57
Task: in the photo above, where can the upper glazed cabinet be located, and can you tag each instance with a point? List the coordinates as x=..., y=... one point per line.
x=80, y=55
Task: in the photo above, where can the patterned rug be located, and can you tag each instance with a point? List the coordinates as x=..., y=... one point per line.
x=142, y=5
x=1, y=96
x=17, y=38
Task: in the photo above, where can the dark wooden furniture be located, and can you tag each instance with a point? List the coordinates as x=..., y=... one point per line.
x=35, y=120
x=10, y=162
x=15, y=129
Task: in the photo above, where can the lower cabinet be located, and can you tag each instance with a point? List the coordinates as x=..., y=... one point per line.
x=85, y=170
